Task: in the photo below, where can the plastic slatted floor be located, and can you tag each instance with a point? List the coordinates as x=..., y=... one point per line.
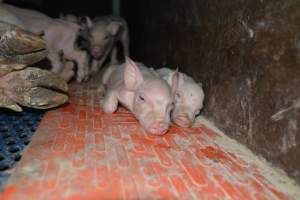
x=78, y=152
x=16, y=129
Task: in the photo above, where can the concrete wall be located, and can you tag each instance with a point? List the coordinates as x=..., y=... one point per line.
x=246, y=53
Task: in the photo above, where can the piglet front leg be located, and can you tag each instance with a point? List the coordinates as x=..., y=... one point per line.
x=110, y=102
x=81, y=58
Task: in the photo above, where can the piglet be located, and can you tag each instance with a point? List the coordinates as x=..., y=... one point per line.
x=69, y=18
x=102, y=37
x=141, y=91
x=58, y=34
x=188, y=98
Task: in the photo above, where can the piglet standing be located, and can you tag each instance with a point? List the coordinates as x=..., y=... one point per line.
x=188, y=98
x=59, y=35
x=103, y=35
x=142, y=92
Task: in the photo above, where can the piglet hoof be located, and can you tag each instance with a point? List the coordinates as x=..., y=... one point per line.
x=67, y=76
x=101, y=90
x=68, y=71
x=101, y=103
x=79, y=79
x=83, y=78
x=86, y=78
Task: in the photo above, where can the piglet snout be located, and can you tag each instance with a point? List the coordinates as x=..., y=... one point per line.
x=183, y=121
x=97, y=52
x=158, y=128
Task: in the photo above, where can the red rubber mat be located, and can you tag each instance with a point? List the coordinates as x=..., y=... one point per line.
x=78, y=152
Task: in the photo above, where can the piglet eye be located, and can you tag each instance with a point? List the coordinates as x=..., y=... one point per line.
x=141, y=98
x=178, y=95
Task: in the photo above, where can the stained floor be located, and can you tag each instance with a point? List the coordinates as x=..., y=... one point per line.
x=78, y=152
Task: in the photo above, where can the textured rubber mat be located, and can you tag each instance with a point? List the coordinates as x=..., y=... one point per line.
x=79, y=152
x=16, y=130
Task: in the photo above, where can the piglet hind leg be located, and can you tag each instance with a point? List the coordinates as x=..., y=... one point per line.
x=110, y=102
x=55, y=60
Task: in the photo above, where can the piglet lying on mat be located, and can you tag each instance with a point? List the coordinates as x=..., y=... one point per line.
x=143, y=92
x=188, y=98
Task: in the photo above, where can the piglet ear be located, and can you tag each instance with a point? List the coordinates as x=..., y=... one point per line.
x=132, y=75
x=169, y=77
x=114, y=27
x=85, y=22
x=174, y=81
